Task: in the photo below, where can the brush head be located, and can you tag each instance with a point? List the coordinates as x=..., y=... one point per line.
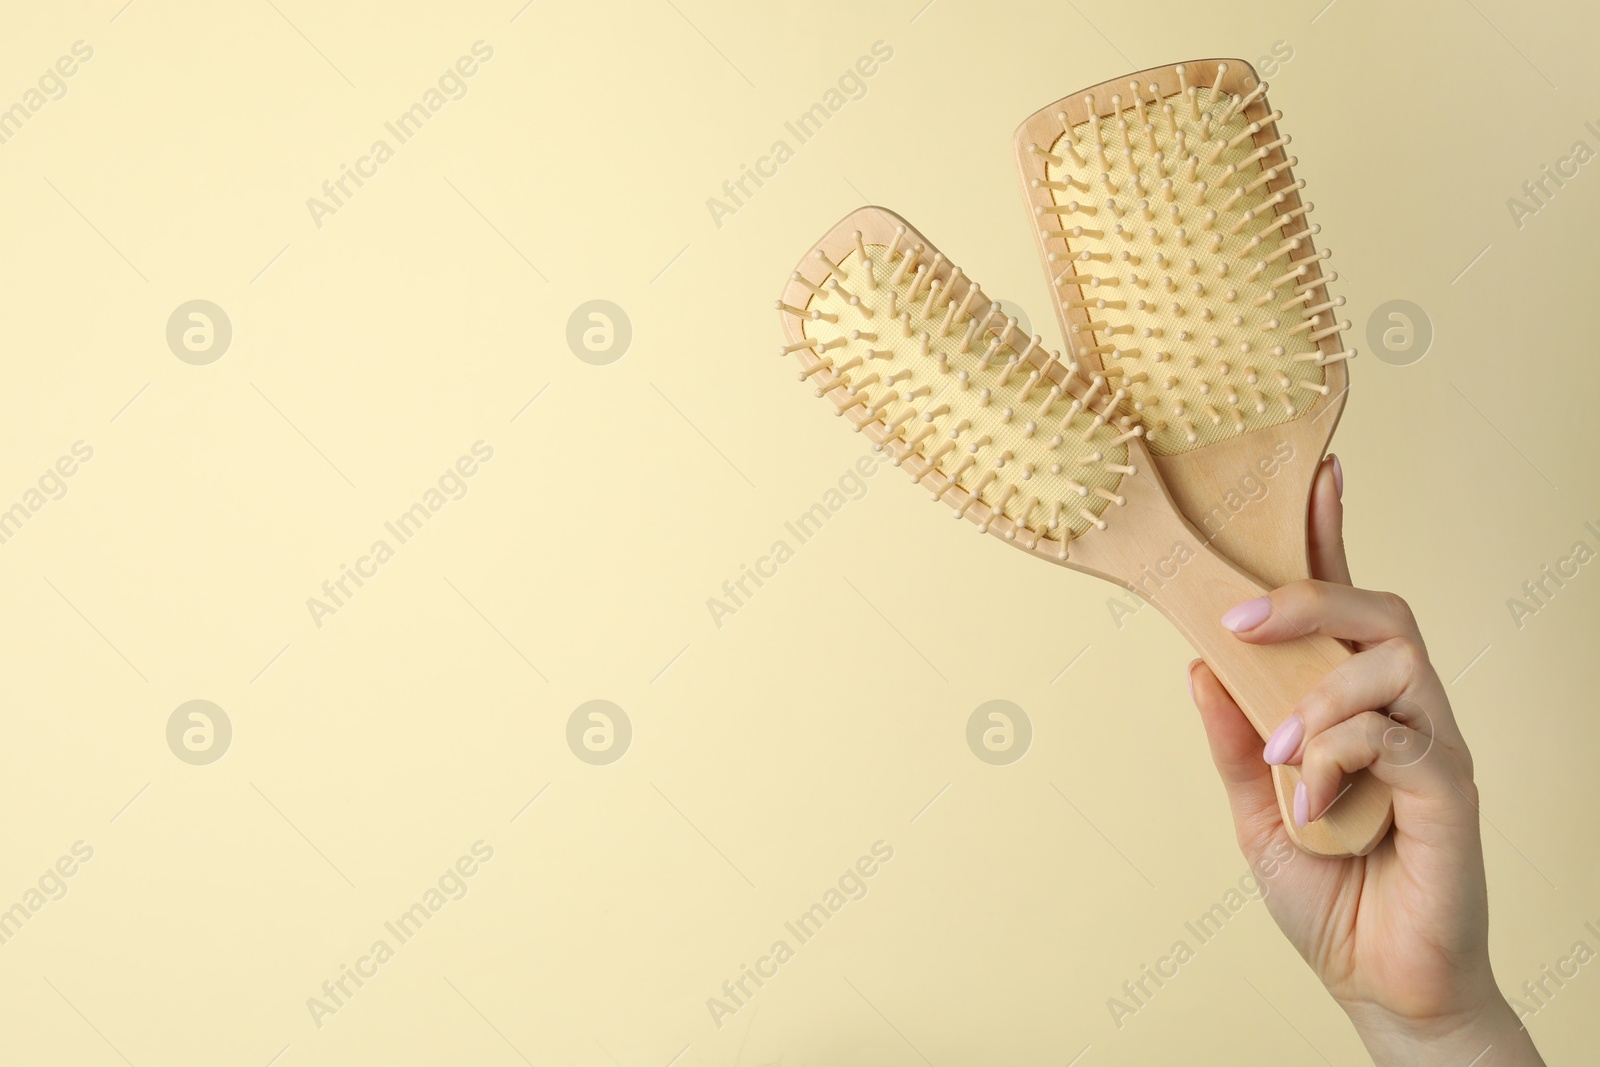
x=909, y=350
x=1180, y=252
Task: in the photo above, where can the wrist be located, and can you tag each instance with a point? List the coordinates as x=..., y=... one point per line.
x=1491, y=1036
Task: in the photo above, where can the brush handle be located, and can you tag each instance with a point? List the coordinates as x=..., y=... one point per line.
x=1266, y=681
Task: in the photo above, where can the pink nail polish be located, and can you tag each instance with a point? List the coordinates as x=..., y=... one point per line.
x=1247, y=616
x=1338, y=478
x=1284, y=740
x=1302, y=804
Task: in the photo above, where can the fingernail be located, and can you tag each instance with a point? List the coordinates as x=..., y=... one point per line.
x=1247, y=616
x=1338, y=478
x=1190, y=677
x=1284, y=740
x=1301, y=806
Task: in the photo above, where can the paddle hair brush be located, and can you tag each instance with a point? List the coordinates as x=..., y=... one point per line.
x=1038, y=452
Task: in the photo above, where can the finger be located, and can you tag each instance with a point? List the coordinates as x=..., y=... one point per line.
x=1395, y=674
x=1431, y=790
x=1320, y=607
x=1325, y=524
x=1236, y=750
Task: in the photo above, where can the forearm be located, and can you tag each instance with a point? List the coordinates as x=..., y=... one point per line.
x=1492, y=1037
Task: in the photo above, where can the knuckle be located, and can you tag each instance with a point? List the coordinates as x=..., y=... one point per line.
x=1320, y=761
x=1410, y=657
x=1400, y=612
x=1382, y=733
x=1318, y=709
x=1304, y=602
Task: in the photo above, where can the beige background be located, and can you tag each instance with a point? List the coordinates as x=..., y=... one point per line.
x=769, y=754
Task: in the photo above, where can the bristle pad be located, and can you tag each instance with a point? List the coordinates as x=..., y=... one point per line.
x=1210, y=345
x=1049, y=479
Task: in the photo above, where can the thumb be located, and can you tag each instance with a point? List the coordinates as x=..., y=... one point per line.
x=1236, y=750
x=1325, y=524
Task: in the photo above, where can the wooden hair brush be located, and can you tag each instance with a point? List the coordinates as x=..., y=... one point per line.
x=1040, y=453
x=1183, y=268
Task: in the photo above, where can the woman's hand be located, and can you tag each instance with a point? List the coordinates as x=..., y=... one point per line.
x=1400, y=936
